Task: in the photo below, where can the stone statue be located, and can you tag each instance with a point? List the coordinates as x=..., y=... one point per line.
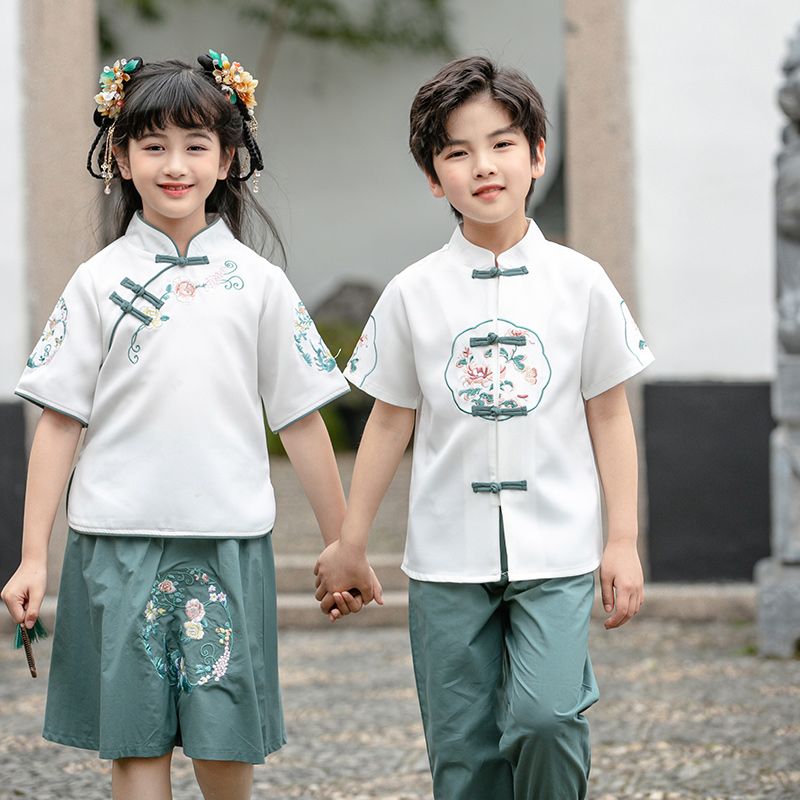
x=778, y=577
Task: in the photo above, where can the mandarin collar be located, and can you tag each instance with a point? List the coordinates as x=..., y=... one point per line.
x=522, y=254
x=144, y=236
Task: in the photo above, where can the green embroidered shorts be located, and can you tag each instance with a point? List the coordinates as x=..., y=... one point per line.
x=165, y=642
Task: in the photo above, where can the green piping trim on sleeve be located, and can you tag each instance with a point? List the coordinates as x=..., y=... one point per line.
x=43, y=404
x=623, y=306
x=307, y=413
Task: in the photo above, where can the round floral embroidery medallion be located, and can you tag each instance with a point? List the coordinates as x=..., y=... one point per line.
x=187, y=631
x=633, y=336
x=500, y=375
x=52, y=337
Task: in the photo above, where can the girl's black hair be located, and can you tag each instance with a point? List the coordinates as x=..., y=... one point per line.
x=174, y=93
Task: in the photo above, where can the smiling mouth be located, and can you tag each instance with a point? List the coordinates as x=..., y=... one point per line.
x=487, y=190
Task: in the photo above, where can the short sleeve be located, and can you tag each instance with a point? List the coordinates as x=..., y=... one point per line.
x=296, y=372
x=382, y=363
x=613, y=347
x=61, y=372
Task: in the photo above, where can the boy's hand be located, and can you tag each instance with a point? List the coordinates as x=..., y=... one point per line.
x=24, y=592
x=343, y=570
x=340, y=604
x=621, y=582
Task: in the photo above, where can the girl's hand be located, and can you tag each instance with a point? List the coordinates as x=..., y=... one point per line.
x=24, y=592
x=621, y=582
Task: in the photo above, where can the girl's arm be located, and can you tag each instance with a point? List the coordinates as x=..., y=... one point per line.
x=52, y=453
x=309, y=449
x=343, y=565
x=611, y=429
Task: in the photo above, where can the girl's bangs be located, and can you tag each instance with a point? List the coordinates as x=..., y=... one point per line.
x=183, y=99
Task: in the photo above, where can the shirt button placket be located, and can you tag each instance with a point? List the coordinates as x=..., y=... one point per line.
x=494, y=461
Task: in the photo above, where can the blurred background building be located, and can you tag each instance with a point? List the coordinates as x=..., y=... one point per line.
x=664, y=130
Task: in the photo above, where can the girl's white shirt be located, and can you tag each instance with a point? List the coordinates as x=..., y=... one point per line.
x=169, y=378
x=500, y=424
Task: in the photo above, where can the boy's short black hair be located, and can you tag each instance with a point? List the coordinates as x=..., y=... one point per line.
x=457, y=82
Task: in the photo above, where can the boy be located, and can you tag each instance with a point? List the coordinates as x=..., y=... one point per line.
x=508, y=354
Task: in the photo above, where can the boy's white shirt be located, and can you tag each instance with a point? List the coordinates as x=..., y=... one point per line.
x=168, y=451
x=415, y=351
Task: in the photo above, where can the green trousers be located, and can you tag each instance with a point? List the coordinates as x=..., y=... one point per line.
x=503, y=676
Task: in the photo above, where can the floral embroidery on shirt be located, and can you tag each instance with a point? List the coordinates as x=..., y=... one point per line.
x=55, y=330
x=184, y=291
x=502, y=375
x=633, y=336
x=365, y=354
x=309, y=343
x=187, y=631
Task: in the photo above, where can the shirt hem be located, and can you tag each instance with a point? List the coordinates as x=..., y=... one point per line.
x=168, y=534
x=616, y=378
x=316, y=406
x=154, y=751
x=42, y=403
x=513, y=575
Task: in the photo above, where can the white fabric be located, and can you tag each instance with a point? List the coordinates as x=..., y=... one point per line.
x=580, y=340
x=175, y=441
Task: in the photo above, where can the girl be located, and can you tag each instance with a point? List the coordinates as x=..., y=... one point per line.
x=168, y=346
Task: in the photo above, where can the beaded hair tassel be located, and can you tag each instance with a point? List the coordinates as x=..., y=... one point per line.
x=110, y=101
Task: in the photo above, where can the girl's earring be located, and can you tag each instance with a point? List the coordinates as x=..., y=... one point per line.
x=107, y=167
x=256, y=176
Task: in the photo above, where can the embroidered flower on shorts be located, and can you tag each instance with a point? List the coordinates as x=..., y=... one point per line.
x=194, y=630
x=184, y=651
x=151, y=612
x=195, y=610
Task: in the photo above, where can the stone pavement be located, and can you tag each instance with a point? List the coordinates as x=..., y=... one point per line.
x=687, y=712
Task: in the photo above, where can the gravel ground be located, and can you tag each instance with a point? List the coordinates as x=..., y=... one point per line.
x=687, y=712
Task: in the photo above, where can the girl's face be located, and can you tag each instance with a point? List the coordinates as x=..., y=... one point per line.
x=175, y=170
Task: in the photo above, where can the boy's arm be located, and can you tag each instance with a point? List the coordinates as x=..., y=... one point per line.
x=611, y=429
x=52, y=453
x=343, y=565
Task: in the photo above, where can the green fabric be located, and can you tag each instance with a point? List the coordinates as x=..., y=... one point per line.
x=496, y=272
x=503, y=676
x=494, y=487
x=164, y=642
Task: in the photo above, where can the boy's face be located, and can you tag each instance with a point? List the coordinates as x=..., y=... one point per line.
x=485, y=169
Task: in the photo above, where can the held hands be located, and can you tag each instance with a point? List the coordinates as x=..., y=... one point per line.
x=24, y=592
x=621, y=582
x=345, y=581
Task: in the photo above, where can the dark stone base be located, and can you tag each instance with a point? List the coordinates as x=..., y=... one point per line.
x=707, y=453
x=13, y=464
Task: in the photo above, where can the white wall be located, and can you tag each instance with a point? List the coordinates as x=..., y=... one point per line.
x=349, y=199
x=706, y=132
x=16, y=346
